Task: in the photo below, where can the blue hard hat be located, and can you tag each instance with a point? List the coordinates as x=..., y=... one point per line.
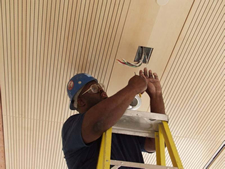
x=76, y=83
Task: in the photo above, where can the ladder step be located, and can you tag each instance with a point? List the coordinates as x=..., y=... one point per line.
x=118, y=164
x=138, y=123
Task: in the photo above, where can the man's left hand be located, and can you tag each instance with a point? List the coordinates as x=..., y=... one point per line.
x=153, y=84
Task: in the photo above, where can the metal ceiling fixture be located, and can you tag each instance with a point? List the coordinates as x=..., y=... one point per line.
x=135, y=104
x=162, y=2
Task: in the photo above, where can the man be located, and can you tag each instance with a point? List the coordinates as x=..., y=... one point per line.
x=81, y=133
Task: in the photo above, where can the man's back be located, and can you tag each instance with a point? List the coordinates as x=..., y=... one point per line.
x=79, y=155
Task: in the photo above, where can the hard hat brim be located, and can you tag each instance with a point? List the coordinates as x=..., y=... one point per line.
x=72, y=107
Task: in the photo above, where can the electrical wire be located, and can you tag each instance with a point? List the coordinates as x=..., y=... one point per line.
x=138, y=64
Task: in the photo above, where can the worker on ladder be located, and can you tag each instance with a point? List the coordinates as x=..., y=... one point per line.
x=81, y=133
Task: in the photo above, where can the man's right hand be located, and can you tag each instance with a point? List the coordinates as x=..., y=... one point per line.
x=138, y=83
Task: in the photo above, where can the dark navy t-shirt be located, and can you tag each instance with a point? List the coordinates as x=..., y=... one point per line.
x=79, y=155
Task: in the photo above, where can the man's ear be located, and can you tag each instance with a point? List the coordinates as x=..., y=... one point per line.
x=80, y=102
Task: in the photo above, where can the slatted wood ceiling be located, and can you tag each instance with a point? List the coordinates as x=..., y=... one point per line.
x=44, y=43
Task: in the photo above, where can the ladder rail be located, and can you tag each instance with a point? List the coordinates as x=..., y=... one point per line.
x=160, y=147
x=105, y=150
x=171, y=146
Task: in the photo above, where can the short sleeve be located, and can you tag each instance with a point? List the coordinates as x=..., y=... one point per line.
x=142, y=143
x=71, y=134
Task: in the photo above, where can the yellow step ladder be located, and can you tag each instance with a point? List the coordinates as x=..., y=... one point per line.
x=143, y=124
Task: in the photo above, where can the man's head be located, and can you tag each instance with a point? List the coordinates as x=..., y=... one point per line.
x=84, y=92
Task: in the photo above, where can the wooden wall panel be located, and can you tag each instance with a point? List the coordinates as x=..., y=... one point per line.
x=2, y=145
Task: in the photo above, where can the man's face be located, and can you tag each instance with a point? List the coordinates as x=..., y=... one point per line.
x=91, y=98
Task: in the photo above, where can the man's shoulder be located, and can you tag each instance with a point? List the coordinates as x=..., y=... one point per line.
x=71, y=121
x=73, y=118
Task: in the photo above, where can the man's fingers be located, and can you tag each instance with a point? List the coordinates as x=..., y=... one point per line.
x=150, y=74
x=145, y=72
x=156, y=76
x=142, y=75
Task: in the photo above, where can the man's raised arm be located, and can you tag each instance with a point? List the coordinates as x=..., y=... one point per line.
x=154, y=90
x=106, y=113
